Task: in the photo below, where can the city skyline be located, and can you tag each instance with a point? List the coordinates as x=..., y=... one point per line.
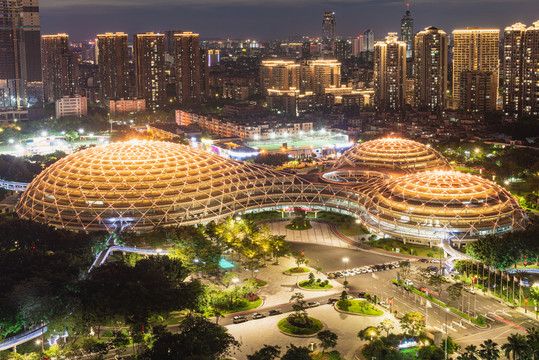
x=237, y=19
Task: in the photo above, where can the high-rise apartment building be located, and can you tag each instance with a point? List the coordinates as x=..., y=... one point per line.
x=149, y=55
x=192, y=81
x=368, y=40
x=477, y=88
x=31, y=37
x=214, y=57
x=474, y=50
x=430, y=65
x=20, y=54
x=357, y=45
x=170, y=48
x=407, y=32
x=390, y=73
x=280, y=75
x=318, y=75
x=59, y=68
x=343, y=49
x=329, y=26
x=521, y=70
x=113, y=62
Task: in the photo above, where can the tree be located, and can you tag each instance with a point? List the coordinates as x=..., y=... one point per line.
x=430, y=353
x=436, y=281
x=198, y=339
x=297, y=353
x=412, y=323
x=470, y=353
x=228, y=277
x=278, y=246
x=299, y=256
x=533, y=341
x=368, y=333
x=196, y=251
x=489, y=350
x=328, y=339
x=386, y=325
x=405, y=268
x=455, y=291
x=518, y=346
x=268, y=352
x=299, y=305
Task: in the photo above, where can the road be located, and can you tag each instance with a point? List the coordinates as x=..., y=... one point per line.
x=501, y=320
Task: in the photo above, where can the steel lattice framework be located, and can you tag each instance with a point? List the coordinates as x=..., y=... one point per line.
x=432, y=206
x=149, y=183
x=393, y=153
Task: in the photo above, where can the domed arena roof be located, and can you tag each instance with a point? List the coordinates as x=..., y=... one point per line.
x=150, y=183
x=442, y=204
x=394, y=153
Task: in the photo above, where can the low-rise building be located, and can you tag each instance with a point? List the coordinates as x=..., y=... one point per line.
x=71, y=106
x=118, y=106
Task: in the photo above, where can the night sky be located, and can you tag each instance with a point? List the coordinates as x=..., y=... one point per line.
x=269, y=19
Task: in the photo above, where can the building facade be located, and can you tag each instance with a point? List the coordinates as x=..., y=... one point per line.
x=521, y=70
x=390, y=74
x=407, y=33
x=430, y=65
x=475, y=50
x=280, y=75
x=113, y=62
x=20, y=55
x=478, y=88
x=71, y=106
x=191, y=68
x=119, y=106
x=329, y=26
x=149, y=55
x=59, y=68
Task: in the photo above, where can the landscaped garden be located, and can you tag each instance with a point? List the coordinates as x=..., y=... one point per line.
x=308, y=326
x=361, y=307
x=297, y=270
x=346, y=224
x=313, y=284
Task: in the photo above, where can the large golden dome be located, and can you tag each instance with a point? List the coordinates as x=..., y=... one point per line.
x=146, y=184
x=394, y=153
x=442, y=204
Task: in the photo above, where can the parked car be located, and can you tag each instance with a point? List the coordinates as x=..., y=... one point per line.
x=332, y=300
x=274, y=312
x=361, y=294
x=239, y=319
x=258, y=316
x=408, y=282
x=424, y=260
x=313, y=304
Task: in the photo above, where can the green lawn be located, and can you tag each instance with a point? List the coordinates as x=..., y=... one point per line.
x=409, y=249
x=346, y=224
x=297, y=270
x=359, y=307
x=252, y=305
x=266, y=215
x=285, y=326
x=306, y=226
x=315, y=285
x=330, y=355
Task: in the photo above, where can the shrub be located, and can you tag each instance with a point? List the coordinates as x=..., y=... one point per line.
x=251, y=297
x=108, y=333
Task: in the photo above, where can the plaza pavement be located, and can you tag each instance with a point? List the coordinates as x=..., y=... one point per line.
x=254, y=334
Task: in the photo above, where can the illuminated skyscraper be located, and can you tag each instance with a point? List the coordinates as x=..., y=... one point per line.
x=318, y=75
x=357, y=45
x=407, y=32
x=280, y=75
x=477, y=89
x=475, y=49
x=149, y=55
x=430, y=65
x=390, y=73
x=20, y=50
x=113, y=61
x=521, y=70
x=59, y=68
x=368, y=40
x=191, y=66
x=329, y=26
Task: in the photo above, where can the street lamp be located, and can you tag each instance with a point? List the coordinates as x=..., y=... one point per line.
x=345, y=261
x=372, y=334
x=441, y=245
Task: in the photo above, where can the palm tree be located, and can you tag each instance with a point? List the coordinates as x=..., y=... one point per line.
x=470, y=354
x=489, y=350
x=518, y=346
x=533, y=341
